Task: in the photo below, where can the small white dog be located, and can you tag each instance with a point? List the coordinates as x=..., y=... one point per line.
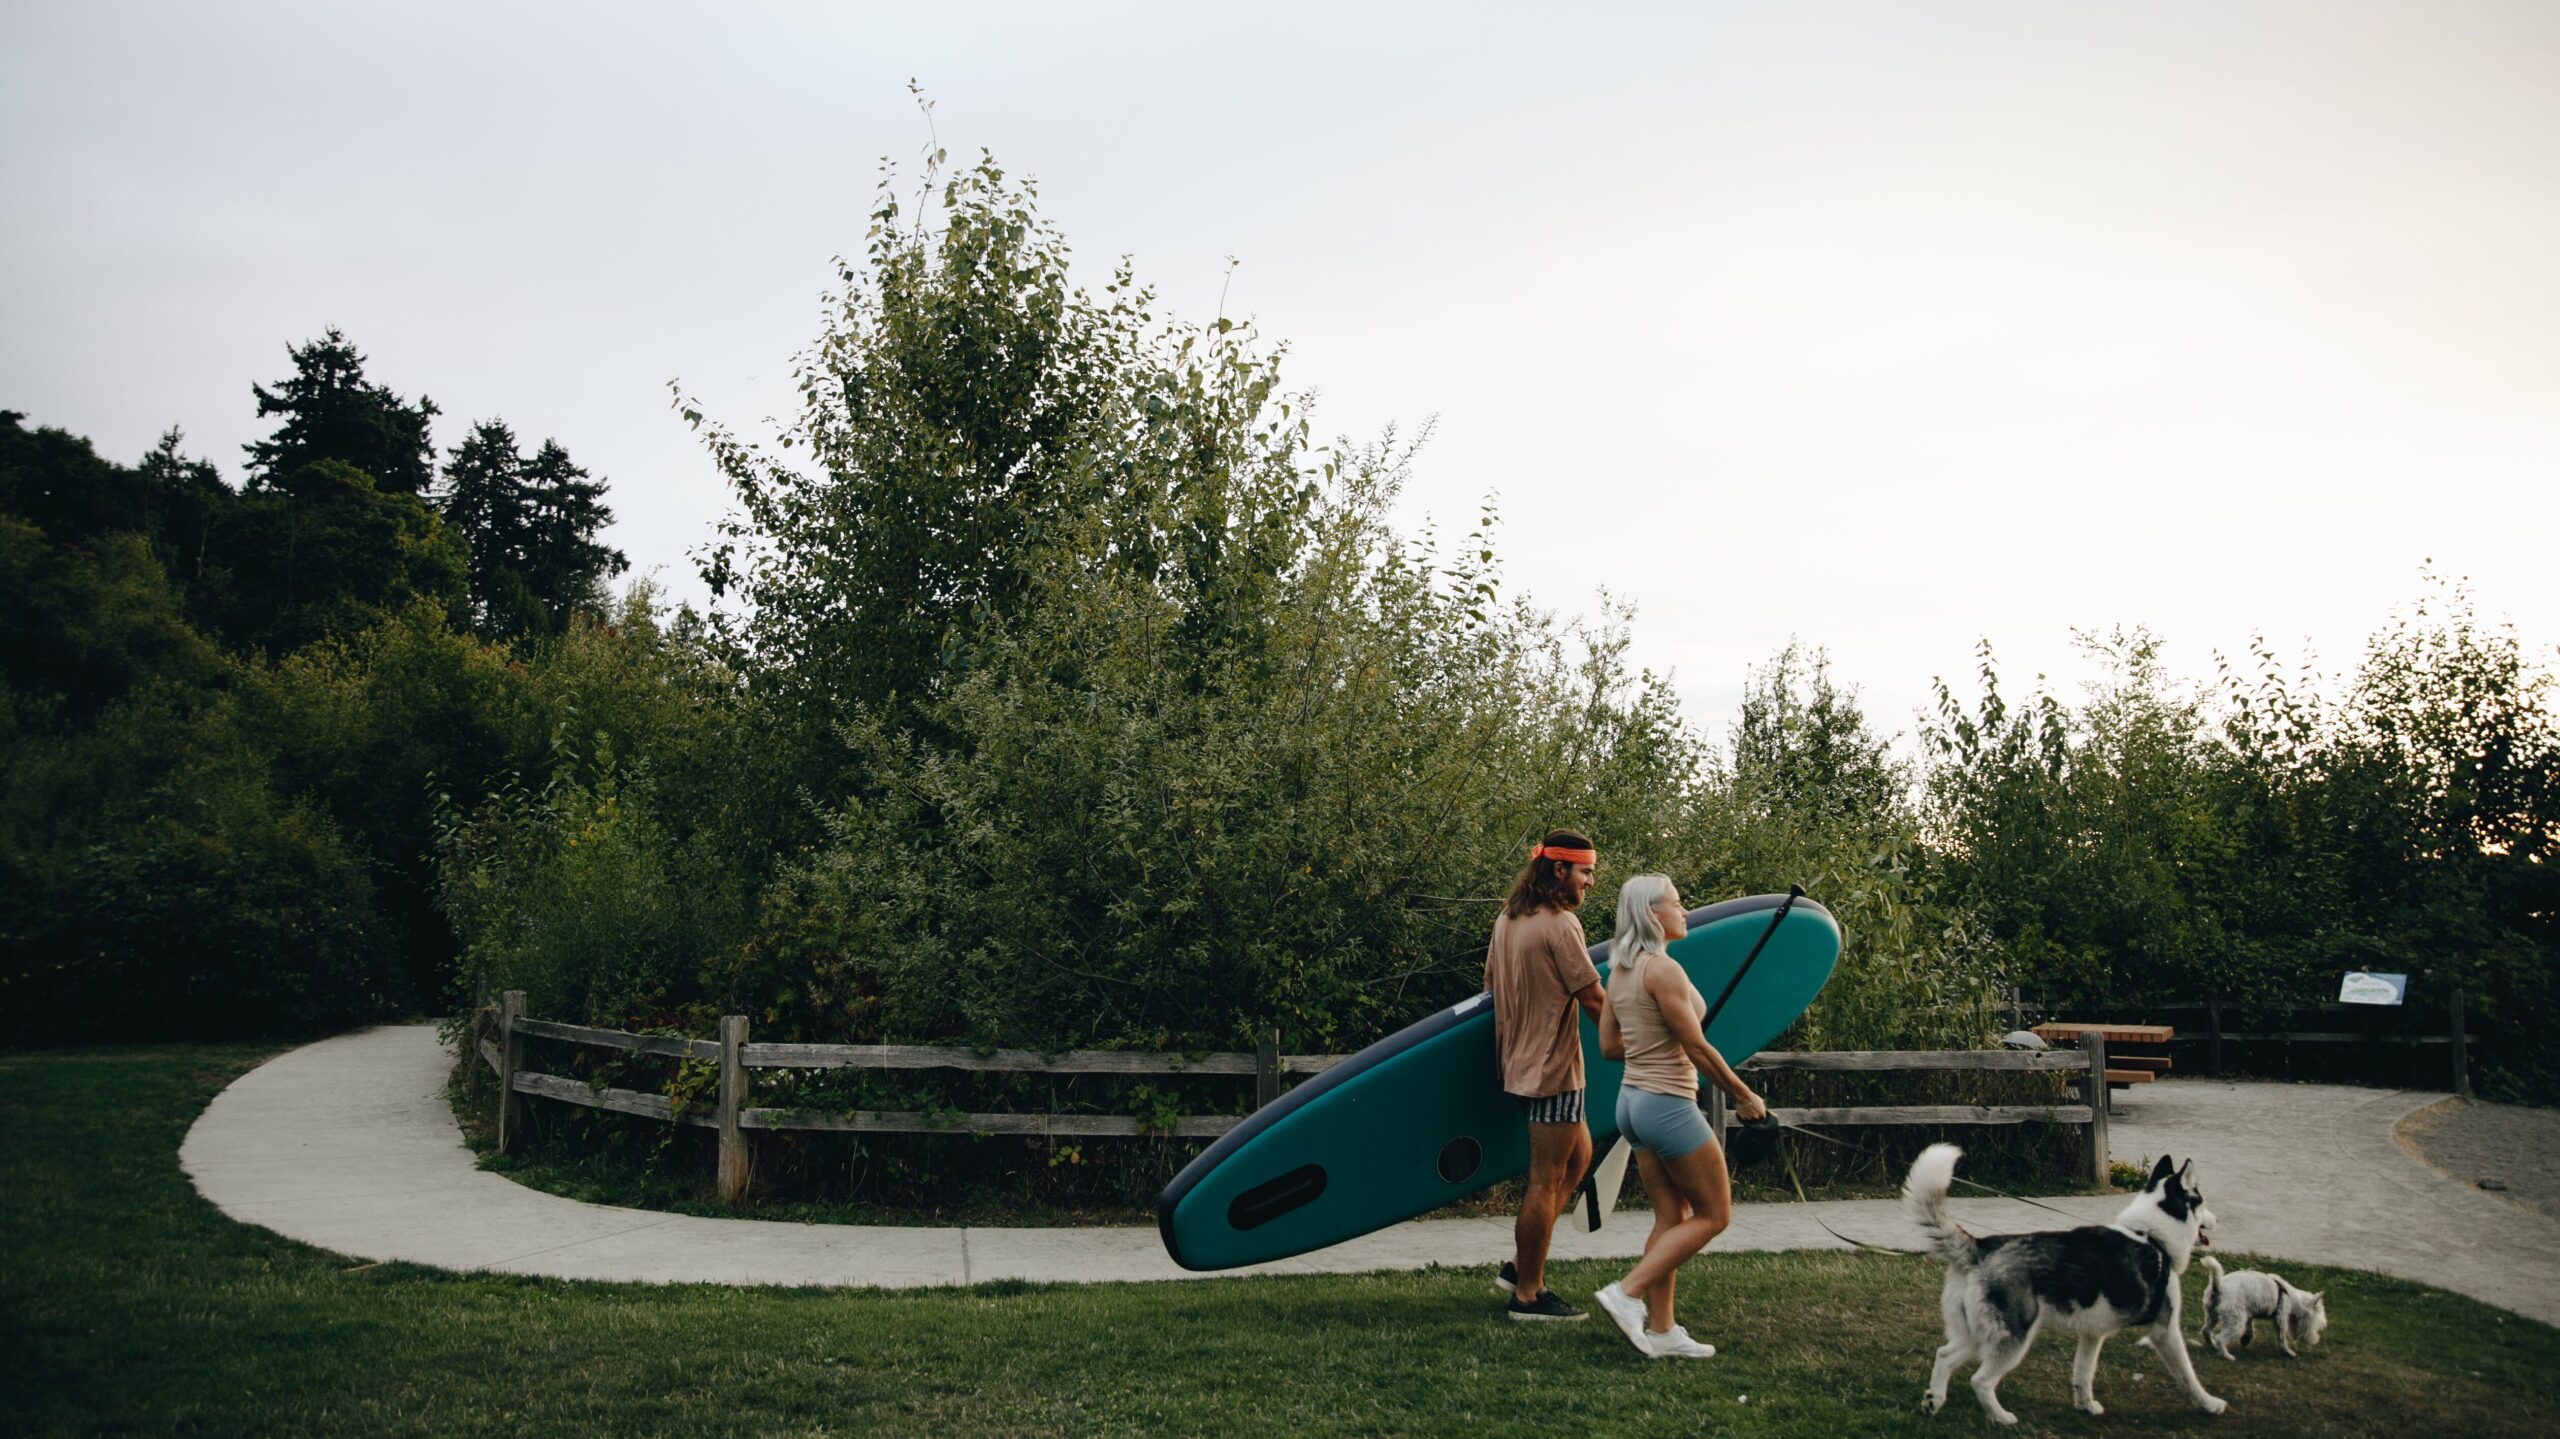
x=2234, y=1303
x=2090, y=1282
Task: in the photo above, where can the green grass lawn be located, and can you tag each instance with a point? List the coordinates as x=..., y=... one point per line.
x=129, y=1305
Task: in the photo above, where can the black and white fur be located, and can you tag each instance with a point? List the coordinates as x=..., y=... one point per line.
x=2234, y=1303
x=2090, y=1282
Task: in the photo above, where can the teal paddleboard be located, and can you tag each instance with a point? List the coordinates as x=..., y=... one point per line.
x=1419, y=1119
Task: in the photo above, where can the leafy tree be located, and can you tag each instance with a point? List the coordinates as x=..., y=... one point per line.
x=57, y=482
x=2448, y=768
x=965, y=412
x=2083, y=837
x=368, y=726
x=86, y=608
x=1062, y=603
x=322, y=551
x=1814, y=796
x=81, y=626
x=331, y=412
x=153, y=884
x=1802, y=744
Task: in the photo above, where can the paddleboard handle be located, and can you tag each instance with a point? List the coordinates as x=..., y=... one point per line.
x=1794, y=892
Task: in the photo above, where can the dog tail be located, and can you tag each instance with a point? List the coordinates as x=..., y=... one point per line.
x=1924, y=1198
x=2212, y=1290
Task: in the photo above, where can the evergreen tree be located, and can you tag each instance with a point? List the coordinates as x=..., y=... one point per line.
x=485, y=502
x=531, y=526
x=564, y=565
x=184, y=502
x=331, y=413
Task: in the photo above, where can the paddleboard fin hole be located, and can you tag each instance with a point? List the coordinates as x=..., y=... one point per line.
x=1459, y=1159
x=1269, y=1200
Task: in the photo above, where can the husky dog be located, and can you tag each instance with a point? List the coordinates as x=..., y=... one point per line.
x=2234, y=1303
x=2090, y=1282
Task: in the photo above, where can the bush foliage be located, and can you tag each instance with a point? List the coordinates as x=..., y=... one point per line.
x=1062, y=690
x=1102, y=707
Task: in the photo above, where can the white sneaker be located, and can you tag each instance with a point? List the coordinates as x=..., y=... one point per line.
x=1627, y=1312
x=1677, y=1345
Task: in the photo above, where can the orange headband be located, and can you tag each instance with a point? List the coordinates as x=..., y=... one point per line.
x=1568, y=856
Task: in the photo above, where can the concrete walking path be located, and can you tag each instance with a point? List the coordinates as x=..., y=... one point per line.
x=348, y=1144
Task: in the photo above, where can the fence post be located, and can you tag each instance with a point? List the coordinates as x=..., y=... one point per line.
x=2094, y=1046
x=1266, y=1069
x=1719, y=1111
x=2461, y=1060
x=733, y=1093
x=2213, y=1033
x=510, y=1059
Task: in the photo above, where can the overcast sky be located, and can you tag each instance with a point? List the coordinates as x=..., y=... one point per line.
x=1887, y=327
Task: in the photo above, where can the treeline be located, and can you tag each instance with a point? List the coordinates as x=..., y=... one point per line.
x=1087, y=701
x=221, y=707
x=1061, y=690
x=2256, y=838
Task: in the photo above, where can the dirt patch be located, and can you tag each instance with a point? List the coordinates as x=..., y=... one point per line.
x=2512, y=1145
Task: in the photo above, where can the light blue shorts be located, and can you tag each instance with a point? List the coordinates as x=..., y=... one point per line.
x=1667, y=1124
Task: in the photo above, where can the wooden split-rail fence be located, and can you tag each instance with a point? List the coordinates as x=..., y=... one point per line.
x=501, y=1040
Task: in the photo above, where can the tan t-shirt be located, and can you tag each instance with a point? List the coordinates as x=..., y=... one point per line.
x=1533, y=969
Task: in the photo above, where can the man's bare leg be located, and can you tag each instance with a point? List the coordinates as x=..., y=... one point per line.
x=1558, y=1153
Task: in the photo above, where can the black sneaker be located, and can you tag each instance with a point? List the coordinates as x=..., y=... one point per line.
x=1546, y=1307
x=1507, y=1279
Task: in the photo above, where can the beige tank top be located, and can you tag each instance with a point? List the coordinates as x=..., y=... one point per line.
x=1655, y=1061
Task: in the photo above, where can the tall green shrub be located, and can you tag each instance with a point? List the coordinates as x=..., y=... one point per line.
x=1814, y=796
x=1121, y=842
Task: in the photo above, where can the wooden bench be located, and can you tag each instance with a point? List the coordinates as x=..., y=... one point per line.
x=2123, y=1070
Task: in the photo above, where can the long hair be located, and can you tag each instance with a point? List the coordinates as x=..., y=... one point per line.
x=1540, y=884
x=1639, y=935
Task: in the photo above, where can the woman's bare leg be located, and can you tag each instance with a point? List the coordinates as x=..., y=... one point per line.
x=1670, y=1209
x=1707, y=1192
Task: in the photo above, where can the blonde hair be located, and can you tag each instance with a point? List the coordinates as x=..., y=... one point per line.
x=1639, y=934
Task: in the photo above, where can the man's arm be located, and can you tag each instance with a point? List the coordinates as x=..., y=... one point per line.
x=1592, y=1002
x=1613, y=1040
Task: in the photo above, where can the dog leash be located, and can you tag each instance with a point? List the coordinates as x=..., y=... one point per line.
x=1888, y=1249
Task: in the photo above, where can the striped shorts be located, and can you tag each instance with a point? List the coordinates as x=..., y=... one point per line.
x=1565, y=1108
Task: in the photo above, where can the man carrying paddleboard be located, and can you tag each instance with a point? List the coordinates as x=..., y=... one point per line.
x=1539, y=971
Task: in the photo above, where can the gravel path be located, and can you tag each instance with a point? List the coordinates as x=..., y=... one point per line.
x=2504, y=1143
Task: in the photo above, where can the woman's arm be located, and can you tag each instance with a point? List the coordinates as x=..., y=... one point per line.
x=1670, y=990
x=1613, y=1041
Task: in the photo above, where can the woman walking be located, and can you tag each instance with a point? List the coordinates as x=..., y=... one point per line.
x=1652, y=1021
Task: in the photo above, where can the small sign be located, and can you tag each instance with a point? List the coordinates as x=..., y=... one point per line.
x=2362, y=988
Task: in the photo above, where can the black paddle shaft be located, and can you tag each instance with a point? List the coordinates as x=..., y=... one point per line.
x=1794, y=893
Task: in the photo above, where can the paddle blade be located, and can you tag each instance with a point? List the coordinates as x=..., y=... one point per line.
x=1601, y=1187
